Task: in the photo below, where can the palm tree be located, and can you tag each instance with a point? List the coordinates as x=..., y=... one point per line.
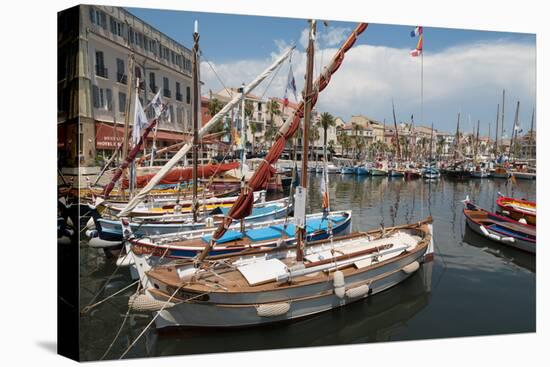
x=326, y=121
x=273, y=109
x=270, y=133
x=248, y=109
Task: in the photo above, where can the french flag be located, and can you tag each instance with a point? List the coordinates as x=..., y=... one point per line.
x=416, y=32
x=418, y=50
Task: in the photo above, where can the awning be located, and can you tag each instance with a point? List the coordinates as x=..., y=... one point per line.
x=107, y=137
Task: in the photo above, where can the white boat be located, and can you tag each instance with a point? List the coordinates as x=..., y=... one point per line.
x=270, y=286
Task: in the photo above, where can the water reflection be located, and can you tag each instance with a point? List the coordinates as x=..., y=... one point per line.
x=472, y=279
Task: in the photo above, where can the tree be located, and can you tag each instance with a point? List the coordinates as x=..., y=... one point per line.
x=273, y=109
x=214, y=106
x=326, y=121
x=270, y=133
x=248, y=109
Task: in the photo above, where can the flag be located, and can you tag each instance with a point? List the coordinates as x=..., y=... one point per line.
x=290, y=84
x=417, y=31
x=418, y=50
x=156, y=104
x=324, y=191
x=140, y=121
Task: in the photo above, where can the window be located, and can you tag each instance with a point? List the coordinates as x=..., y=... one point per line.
x=100, y=69
x=172, y=116
x=109, y=99
x=179, y=97
x=173, y=57
x=152, y=82
x=120, y=76
x=99, y=97
x=113, y=24
x=145, y=43
x=98, y=17
x=166, y=86
x=188, y=95
x=121, y=102
x=131, y=36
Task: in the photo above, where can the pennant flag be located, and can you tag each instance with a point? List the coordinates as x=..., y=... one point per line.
x=290, y=84
x=156, y=104
x=418, y=50
x=140, y=121
x=416, y=31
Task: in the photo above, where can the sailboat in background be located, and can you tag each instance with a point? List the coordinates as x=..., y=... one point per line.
x=431, y=172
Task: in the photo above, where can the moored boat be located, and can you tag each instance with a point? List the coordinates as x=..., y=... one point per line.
x=518, y=209
x=500, y=229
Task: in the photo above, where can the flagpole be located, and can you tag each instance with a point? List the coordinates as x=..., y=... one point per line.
x=422, y=80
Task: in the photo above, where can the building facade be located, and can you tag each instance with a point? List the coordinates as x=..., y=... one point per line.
x=95, y=81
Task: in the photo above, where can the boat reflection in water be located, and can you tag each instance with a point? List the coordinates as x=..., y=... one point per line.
x=506, y=253
x=380, y=318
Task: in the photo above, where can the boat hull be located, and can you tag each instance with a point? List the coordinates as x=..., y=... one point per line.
x=378, y=172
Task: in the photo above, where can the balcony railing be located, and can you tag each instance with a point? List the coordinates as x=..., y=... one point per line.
x=179, y=96
x=101, y=71
x=121, y=78
x=166, y=93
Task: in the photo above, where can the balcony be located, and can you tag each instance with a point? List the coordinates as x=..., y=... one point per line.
x=102, y=71
x=166, y=93
x=121, y=78
x=179, y=96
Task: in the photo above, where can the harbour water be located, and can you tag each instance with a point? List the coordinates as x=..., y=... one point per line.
x=473, y=286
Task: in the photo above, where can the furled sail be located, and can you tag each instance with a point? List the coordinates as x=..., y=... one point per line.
x=183, y=151
x=243, y=206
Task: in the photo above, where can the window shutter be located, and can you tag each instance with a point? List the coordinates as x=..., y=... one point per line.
x=109, y=99
x=104, y=20
x=92, y=15
x=95, y=93
x=121, y=102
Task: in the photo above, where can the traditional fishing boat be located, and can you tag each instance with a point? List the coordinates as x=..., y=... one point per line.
x=499, y=228
x=108, y=230
x=279, y=284
x=148, y=251
x=347, y=170
x=431, y=173
x=500, y=172
x=518, y=209
x=378, y=171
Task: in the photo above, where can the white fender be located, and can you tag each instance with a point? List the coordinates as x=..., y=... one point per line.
x=494, y=237
x=97, y=242
x=360, y=291
x=90, y=224
x=508, y=239
x=411, y=268
x=484, y=230
x=125, y=261
x=209, y=222
x=91, y=233
x=339, y=284
x=272, y=309
x=522, y=221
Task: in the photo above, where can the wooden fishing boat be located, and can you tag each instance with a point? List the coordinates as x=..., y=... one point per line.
x=361, y=170
x=109, y=230
x=524, y=175
x=500, y=172
x=378, y=172
x=431, y=173
x=269, y=286
x=396, y=173
x=148, y=251
x=518, y=209
x=500, y=229
x=347, y=170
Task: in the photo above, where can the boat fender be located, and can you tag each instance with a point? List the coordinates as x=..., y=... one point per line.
x=91, y=233
x=484, y=230
x=90, y=224
x=411, y=268
x=177, y=208
x=494, y=237
x=339, y=284
x=125, y=261
x=508, y=239
x=69, y=231
x=360, y=291
x=69, y=222
x=505, y=212
x=97, y=242
x=522, y=221
x=272, y=309
x=209, y=222
x=144, y=302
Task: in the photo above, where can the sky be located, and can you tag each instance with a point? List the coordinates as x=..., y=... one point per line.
x=463, y=70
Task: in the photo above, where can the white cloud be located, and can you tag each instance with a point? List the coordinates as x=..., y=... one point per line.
x=467, y=78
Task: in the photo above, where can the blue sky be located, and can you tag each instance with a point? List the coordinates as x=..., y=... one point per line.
x=465, y=70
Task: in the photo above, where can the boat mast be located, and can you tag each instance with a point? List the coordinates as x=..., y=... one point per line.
x=502, y=118
x=396, y=133
x=477, y=144
x=531, y=133
x=431, y=144
x=307, y=116
x=514, y=132
x=457, y=136
x=496, y=132
x=127, y=110
x=195, y=118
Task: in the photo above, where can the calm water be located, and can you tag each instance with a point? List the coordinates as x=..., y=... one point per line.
x=473, y=287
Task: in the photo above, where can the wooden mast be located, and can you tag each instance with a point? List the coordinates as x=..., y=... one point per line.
x=127, y=110
x=195, y=119
x=496, y=132
x=502, y=118
x=431, y=144
x=307, y=116
x=514, y=132
x=398, y=151
x=476, y=146
x=457, y=137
